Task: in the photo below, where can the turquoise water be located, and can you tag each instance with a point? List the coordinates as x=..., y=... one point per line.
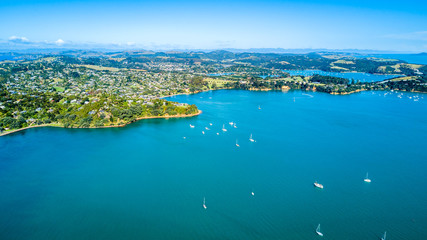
x=362, y=77
x=145, y=181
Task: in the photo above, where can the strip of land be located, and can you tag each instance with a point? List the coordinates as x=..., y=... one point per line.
x=111, y=126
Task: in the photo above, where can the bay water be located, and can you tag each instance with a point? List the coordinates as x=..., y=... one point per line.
x=148, y=180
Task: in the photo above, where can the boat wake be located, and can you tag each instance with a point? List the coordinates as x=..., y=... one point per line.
x=311, y=96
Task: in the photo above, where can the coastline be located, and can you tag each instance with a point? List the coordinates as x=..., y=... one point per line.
x=347, y=93
x=196, y=92
x=285, y=88
x=114, y=126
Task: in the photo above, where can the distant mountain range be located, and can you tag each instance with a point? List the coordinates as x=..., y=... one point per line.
x=44, y=47
x=229, y=53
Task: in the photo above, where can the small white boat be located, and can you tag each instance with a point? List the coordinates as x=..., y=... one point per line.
x=367, y=179
x=217, y=133
x=231, y=123
x=210, y=124
x=318, y=231
x=223, y=128
x=234, y=126
x=192, y=126
x=251, y=139
x=318, y=185
x=384, y=236
x=203, y=132
x=259, y=107
x=252, y=193
x=204, y=203
x=183, y=137
x=207, y=128
x=237, y=145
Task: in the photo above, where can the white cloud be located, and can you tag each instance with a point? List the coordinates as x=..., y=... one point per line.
x=16, y=39
x=59, y=42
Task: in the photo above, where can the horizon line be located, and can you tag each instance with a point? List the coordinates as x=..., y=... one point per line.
x=110, y=48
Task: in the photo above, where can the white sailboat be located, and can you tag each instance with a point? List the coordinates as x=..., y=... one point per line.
x=318, y=231
x=251, y=139
x=318, y=185
x=223, y=128
x=192, y=126
x=259, y=107
x=367, y=179
x=383, y=238
x=252, y=193
x=234, y=125
x=204, y=203
x=237, y=145
x=231, y=123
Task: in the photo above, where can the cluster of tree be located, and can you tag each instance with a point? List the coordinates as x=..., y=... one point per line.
x=364, y=65
x=35, y=108
x=330, y=84
x=423, y=77
x=196, y=84
x=404, y=85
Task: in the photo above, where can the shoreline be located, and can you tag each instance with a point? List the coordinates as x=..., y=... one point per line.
x=114, y=126
x=196, y=92
x=190, y=115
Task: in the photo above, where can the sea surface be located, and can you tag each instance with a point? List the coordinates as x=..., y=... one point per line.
x=362, y=77
x=146, y=181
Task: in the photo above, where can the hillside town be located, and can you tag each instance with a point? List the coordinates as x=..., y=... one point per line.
x=96, y=89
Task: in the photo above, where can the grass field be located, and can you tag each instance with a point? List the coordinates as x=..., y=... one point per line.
x=410, y=78
x=343, y=62
x=339, y=68
x=59, y=89
x=293, y=78
x=218, y=82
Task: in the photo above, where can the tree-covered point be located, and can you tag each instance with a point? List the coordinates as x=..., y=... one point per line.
x=37, y=108
x=328, y=84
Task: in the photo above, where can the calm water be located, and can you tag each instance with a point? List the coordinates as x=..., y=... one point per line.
x=145, y=181
x=362, y=77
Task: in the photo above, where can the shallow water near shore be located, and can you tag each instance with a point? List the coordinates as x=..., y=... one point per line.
x=146, y=181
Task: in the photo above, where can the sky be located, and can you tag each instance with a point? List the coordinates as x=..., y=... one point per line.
x=330, y=24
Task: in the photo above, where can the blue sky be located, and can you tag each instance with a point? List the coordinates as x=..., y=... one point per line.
x=378, y=25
